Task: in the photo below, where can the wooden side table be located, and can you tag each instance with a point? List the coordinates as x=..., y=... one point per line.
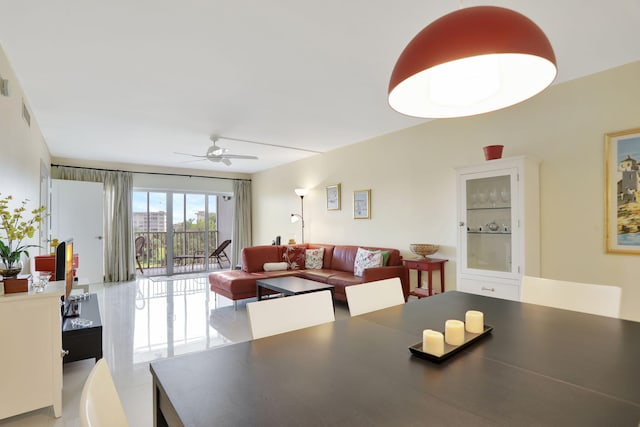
x=428, y=265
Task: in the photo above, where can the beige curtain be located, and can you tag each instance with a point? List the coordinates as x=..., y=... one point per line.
x=241, y=235
x=119, y=251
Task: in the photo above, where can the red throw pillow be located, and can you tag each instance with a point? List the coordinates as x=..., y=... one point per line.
x=294, y=256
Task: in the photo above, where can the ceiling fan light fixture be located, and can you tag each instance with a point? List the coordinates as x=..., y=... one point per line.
x=472, y=61
x=215, y=151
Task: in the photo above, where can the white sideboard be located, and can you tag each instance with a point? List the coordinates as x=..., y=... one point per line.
x=31, y=358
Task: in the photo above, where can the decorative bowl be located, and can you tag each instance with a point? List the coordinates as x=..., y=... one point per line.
x=423, y=249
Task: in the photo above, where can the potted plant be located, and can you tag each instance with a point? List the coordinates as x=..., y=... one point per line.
x=15, y=228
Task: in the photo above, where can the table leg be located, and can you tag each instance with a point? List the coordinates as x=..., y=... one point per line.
x=259, y=292
x=429, y=278
x=419, y=279
x=442, y=278
x=158, y=417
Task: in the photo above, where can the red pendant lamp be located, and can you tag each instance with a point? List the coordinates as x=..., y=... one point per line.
x=472, y=61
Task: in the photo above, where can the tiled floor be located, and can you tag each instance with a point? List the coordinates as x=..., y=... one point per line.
x=146, y=320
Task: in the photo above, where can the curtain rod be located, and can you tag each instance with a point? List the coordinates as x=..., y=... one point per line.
x=149, y=173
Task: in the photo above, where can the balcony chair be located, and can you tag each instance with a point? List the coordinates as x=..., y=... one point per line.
x=140, y=244
x=99, y=401
x=218, y=255
x=279, y=315
x=374, y=296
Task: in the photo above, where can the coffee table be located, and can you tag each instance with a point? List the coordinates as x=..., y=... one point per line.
x=291, y=285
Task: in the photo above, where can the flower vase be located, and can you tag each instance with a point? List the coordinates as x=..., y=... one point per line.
x=10, y=270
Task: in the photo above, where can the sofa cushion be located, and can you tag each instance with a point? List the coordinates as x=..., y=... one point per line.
x=343, y=258
x=274, y=266
x=234, y=283
x=385, y=258
x=317, y=275
x=254, y=257
x=366, y=259
x=328, y=253
x=279, y=273
x=294, y=256
x=313, y=258
x=342, y=280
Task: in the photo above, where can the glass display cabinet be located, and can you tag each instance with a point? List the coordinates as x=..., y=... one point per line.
x=498, y=218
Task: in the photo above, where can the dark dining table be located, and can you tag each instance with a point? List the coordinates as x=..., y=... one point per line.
x=538, y=366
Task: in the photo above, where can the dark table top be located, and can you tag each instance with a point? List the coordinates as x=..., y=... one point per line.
x=540, y=366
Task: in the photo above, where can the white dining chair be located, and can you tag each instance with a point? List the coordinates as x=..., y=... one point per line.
x=100, y=405
x=278, y=315
x=584, y=297
x=372, y=296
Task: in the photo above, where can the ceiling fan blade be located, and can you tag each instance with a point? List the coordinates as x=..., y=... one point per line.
x=192, y=155
x=193, y=160
x=226, y=161
x=238, y=156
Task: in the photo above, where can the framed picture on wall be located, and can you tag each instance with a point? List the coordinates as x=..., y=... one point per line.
x=333, y=197
x=362, y=204
x=622, y=191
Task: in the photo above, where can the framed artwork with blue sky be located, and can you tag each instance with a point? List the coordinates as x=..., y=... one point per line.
x=622, y=191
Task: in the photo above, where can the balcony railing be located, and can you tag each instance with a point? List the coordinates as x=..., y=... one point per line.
x=188, y=250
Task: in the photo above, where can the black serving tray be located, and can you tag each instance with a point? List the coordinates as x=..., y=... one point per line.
x=449, y=350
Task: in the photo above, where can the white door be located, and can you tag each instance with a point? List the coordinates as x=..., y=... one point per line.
x=77, y=213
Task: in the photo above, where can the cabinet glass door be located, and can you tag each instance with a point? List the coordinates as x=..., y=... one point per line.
x=489, y=223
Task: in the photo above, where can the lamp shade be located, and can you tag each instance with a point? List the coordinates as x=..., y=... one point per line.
x=472, y=61
x=301, y=192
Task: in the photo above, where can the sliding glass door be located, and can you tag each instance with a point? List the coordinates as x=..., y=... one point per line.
x=194, y=230
x=150, y=223
x=180, y=231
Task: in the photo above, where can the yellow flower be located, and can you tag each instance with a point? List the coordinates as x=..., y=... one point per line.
x=16, y=228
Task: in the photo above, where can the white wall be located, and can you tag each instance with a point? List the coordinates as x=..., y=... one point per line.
x=412, y=178
x=22, y=148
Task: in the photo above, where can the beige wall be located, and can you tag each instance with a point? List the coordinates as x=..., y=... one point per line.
x=22, y=148
x=412, y=178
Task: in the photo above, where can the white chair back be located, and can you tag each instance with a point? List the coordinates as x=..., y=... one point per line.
x=587, y=298
x=373, y=296
x=278, y=315
x=100, y=405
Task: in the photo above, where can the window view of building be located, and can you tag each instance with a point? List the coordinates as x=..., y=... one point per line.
x=177, y=236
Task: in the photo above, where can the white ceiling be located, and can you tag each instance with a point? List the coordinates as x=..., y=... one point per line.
x=133, y=81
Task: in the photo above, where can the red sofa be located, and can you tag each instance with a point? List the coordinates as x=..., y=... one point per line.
x=337, y=270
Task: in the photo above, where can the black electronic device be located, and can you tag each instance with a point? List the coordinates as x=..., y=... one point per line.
x=278, y=240
x=64, y=271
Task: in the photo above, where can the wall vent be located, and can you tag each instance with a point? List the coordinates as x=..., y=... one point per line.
x=4, y=87
x=25, y=114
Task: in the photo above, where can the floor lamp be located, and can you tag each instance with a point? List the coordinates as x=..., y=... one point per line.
x=295, y=217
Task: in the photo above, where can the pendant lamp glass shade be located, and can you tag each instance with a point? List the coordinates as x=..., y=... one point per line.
x=472, y=61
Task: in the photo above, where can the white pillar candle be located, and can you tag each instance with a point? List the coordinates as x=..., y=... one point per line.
x=433, y=342
x=454, y=332
x=474, y=321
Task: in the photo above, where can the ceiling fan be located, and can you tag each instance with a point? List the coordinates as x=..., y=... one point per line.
x=216, y=154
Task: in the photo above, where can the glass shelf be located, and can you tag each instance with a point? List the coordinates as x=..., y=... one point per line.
x=490, y=208
x=504, y=233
